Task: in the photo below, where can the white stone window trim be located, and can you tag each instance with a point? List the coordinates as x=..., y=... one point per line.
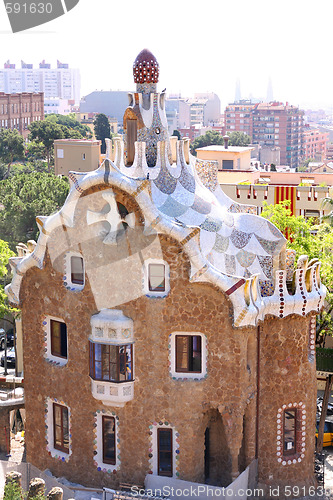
x=67, y=277
x=51, y=358
x=153, y=447
x=172, y=357
x=151, y=293
x=58, y=454
x=298, y=457
x=98, y=442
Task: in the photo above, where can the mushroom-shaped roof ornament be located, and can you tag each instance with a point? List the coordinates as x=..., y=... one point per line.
x=145, y=68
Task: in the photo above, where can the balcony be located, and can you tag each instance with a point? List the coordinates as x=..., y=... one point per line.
x=111, y=357
x=111, y=393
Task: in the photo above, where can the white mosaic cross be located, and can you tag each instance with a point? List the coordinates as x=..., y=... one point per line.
x=112, y=216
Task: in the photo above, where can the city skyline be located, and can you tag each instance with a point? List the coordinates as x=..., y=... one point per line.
x=203, y=51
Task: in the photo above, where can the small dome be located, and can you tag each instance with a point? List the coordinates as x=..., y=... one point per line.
x=145, y=68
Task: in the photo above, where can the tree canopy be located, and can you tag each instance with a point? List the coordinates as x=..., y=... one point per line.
x=71, y=126
x=314, y=241
x=43, y=134
x=5, y=254
x=11, y=147
x=210, y=138
x=102, y=130
x=239, y=139
x=24, y=197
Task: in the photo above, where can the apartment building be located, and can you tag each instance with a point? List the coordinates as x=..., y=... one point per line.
x=62, y=82
x=17, y=111
x=314, y=144
x=204, y=109
x=271, y=125
x=238, y=116
x=278, y=124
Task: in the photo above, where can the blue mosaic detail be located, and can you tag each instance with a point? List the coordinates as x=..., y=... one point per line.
x=212, y=225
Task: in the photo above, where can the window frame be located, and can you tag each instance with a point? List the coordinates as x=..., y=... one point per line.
x=188, y=375
x=49, y=356
x=291, y=451
x=169, y=431
x=190, y=354
x=53, y=350
x=92, y=362
x=98, y=455
x=62, y=447
x=146, y=278
x=75, y=281
x=67, y=277
x=112, y=461
x=150, y=286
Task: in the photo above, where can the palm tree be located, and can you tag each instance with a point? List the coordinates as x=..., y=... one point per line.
x=328, y=203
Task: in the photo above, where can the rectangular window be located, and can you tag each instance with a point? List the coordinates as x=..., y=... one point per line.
x=109, y=440
x=60, y=428
x=77, y=272
x=164, y=441
x=289, y=432
x=188, y=353
x=111, y=363
x=58, y=338
x=227, y=164
x=60, y=153
x=156, y=277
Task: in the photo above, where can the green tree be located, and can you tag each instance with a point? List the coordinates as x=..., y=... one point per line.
x=296, y=228
x=239, y=139
x=46, y=132
x=11, y=147
x=12, y=491
x=210, y=138
x=35, y=150
x=71, y=126
x=6, y=311
x=328, y=204
x=102, y=130
x=176, y=133
x=314, y=241
x=24, y=197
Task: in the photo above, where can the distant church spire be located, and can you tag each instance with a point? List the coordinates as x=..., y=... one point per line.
x=269, y=96
x=238, y=91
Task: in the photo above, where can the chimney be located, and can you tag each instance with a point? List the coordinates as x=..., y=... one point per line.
x=226, y=141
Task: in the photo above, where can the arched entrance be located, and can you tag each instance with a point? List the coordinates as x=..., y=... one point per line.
x=217, y=459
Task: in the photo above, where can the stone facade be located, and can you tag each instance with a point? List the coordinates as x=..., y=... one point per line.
x=225, y=401
x=186, y=404
x=257, y=370
x=18, y=111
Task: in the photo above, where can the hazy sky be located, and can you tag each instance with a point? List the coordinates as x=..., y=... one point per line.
x=201, y=46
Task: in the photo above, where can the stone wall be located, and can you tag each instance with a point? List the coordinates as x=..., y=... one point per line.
x=287, y=380
x=224, y=401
